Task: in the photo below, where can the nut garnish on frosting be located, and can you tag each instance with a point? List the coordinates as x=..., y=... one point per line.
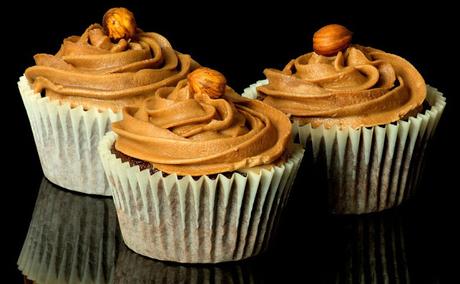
x=345, y=84
x=110, y=66
x=202, y=127
x=331, y=39
x=119, y=23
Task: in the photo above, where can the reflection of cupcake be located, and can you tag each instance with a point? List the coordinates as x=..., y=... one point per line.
x=366, y=113
x=218, y=171
x=134, y=268
x=375, y=251
x=71, y=238
x=84, y=87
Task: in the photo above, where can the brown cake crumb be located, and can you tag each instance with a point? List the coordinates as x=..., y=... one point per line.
x=133, y=161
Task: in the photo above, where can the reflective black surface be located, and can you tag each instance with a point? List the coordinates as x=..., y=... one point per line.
x=74, y=238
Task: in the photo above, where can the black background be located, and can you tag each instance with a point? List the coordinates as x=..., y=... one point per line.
x=241, y=40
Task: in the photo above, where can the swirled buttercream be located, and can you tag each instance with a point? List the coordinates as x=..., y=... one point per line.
x=186, y=132
x=358, y=87
x=92, y=70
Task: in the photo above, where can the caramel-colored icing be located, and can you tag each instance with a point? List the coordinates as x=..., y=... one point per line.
x=188, y=133
x=359, y=87
x=92, y=71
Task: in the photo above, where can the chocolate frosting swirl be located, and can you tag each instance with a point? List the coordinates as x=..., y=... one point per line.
x=91, y=70
x=359, y=87
x=187, y=133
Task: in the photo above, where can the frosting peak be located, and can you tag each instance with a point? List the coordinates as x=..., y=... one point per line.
x=93, y=70
x=182, y=131
x=360, y=86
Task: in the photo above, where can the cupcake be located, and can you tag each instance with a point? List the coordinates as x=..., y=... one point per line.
x=72, y=238
x=367, y=115
x=72, y=97
x=199, y=173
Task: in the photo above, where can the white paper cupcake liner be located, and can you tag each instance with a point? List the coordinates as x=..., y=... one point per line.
x=67, y=139
x=197, y=221
x=71, y=238
x=376, y=251
x=370, y=168
x=134, y=268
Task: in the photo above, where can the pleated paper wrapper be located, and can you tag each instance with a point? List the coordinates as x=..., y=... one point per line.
x=203, y=220
x=67, y=140
x=71, y=238
x=134, y=268
x=370, y=169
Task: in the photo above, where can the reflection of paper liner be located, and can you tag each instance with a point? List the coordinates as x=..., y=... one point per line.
x=71, y=238
x=374, y=168
x=67, y=139
x=376, y=251
x=197, y=221
x=134, y=268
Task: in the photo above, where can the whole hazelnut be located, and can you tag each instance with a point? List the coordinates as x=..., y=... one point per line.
x=331, y=39
x=207, y=81
x=119, y=23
